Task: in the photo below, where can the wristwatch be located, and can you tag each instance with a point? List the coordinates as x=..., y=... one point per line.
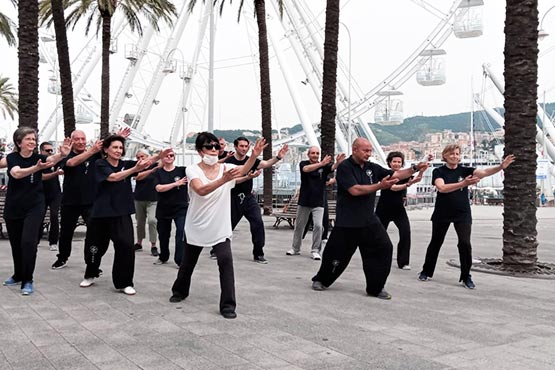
x=414, y=167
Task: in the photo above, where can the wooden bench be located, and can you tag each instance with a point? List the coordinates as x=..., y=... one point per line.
x=289, y=213
x=494, y=201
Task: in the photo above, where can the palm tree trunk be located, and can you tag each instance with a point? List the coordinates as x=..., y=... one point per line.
x=265, y=99
x=28, y=53
x=105, y=77
x=329, y=79
x=521, y=74
x=64, y=66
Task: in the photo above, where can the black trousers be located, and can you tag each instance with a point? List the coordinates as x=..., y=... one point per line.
x=246, y=205
x=182, y=284
x=53, y=206
x=401, y=220
x=375, y=249
x=439, y=230
x=120, y=231
x=70, y=216
x=164, y=228
x=23, y=234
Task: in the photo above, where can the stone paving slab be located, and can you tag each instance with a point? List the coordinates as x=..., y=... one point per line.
x=505, y=323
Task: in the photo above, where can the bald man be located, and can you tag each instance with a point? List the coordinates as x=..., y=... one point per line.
x=78, y=191
x=314, y=174
x=356, y=224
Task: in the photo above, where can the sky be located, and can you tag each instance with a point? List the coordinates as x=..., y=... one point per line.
x=383, y=34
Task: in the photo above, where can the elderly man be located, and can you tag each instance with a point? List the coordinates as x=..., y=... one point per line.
x=314, y=174
x=357, y=225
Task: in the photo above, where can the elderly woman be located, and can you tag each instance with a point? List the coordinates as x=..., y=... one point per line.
x=25, y=203
x=145, y=204
x=208, y=223
x=111, y=215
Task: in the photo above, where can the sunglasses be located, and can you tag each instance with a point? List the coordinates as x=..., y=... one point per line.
x=212, y=146
x=170, y=155
x=49, y=150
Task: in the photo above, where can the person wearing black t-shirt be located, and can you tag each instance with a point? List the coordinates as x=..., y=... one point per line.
x=243, y=202
x=391, y=207
x=171, y=185
x=314, y=174
x=145, y=204
x=222, y=153
x=356, y=224
x=111, y=215
x=453, y=206
x=52, y=196
x=25, y=204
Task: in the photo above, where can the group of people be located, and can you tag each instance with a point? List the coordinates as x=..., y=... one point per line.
x=206, y=201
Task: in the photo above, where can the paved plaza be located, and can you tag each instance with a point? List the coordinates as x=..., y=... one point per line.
x=505, y=323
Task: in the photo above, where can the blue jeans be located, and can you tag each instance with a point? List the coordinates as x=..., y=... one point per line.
x=164, y=227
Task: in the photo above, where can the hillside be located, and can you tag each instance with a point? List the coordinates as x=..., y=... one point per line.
x=412, y=129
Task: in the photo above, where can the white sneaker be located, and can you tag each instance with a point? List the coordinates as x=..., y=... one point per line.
x=86, y=282
x=406, y=267
x=292, y=252
x=129, y=290
x=476, y=260
x=316, y=256
x=53, y=247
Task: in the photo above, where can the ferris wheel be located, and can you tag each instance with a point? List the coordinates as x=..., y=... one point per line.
x=149, y=62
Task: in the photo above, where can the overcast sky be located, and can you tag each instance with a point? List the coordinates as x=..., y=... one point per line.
x=384, y=33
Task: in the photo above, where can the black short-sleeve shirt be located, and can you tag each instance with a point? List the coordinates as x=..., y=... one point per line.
x=392, y=201
x=174, y=202
x=52, y=186
x=26, y=194
x=357, y=211
x=244, y=187
x=453, y=206
x=313, y=185
x=79, y=188
x=113, y=198
x=145, y=188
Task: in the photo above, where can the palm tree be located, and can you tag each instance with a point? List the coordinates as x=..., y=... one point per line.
x=265, y=90
x=28, y=53
x=53, y=11
x=101, y=12
x=329, y=79
x=8, y=98
x=521, y=74
x=6, y=28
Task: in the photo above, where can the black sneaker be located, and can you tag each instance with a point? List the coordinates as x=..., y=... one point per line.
x=154, y=251
x=138, y=247
x=59, y=264
x=383, y=295
x=229, y=314
x=468, y=283
x=423, y=277
x=317, y=285
x=213, y=255
x=260, y=259
x=176, y=297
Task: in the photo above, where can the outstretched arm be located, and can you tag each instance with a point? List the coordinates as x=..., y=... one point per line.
x=270, y=162
x=485, y=172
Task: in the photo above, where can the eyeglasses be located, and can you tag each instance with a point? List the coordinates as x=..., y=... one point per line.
x=49, y=150
x=212, y=146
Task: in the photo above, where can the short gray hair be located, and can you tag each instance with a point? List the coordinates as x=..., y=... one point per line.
x=20, y=133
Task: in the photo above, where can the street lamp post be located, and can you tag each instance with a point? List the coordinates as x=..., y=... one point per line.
x=349, y=139
x=183, y=76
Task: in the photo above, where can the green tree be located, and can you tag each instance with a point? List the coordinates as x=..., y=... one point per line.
x=521, y=73
x=6, y=28
x=52, y=11
x=101, y=13
x=28, y=54
x=8, y=98
x=329, y=79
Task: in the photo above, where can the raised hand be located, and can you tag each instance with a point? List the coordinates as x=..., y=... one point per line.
x=326, y=160
x=388, y=182
x=65, y=148
x=124, y=131
x=231, y=174
x=97, y=146
x=142, y=164
x=259, y=146
x=43, y=165
x=340, y=157
x=164, y=152
x=254, y=174
x=283, y=151
x=507, y=161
